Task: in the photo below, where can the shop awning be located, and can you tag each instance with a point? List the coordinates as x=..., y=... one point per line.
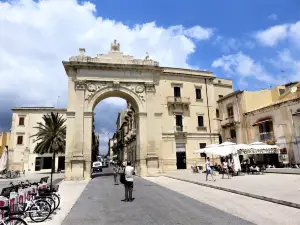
x=262, y=121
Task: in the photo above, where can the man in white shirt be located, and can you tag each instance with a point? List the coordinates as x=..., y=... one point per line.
x=129, y=172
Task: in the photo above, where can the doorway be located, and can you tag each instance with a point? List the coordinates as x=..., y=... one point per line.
x=37, y=163
x=180, y=156
x=61, y=163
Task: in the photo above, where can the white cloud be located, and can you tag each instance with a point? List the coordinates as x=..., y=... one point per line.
x=228, y=45
x=272, y=16
x=242, y=66
x=199, y=33
x=38, y=36
x=289, y=64
x=275, y=34
x=272, y=35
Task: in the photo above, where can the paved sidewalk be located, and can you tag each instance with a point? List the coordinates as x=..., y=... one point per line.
x=69, y=192
x=100, y=203
x=251, y=209
x=281, y=187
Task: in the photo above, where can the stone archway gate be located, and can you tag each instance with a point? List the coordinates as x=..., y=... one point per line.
x=91, y=79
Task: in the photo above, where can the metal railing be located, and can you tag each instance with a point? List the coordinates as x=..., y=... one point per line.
x=178, y=129
x=227, y=121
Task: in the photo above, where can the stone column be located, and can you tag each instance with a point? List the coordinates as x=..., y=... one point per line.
x=152, y=157
x=69, y=144
x=87, y=146
x=77, y=159
x=141, y=142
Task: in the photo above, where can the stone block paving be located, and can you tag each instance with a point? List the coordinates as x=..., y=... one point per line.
x=100, y=203
x=285, y=187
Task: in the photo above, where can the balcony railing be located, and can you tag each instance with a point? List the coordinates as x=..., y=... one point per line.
x=180, y=129
x=178, y=101
x=228, y=121
x=266, y=136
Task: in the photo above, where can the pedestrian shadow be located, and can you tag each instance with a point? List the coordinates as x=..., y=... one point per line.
x=94, y=175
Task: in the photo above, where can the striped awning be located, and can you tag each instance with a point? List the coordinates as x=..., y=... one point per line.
x=262, y=121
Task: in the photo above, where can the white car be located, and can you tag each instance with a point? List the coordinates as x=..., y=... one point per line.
x=97, y=166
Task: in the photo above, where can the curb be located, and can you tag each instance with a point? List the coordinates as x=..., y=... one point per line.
x=273, y=200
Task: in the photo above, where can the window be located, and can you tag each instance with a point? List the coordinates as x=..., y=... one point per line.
x=202, y=145
x=46, y=162
x=230, y=112
x=178, y=122
x=266, y=130
x=21, y=121
x=233, y=134
x=220, y=96
x=217, y=113
x=20, y=140
x=281, y=91
x=177, y=92
x=198, y=94
x=200, y=121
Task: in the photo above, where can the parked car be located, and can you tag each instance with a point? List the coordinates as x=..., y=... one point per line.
x=97, y=166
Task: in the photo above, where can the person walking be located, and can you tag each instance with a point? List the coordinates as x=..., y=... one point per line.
x=208, y=169
x=129, y=171
x=116, y=173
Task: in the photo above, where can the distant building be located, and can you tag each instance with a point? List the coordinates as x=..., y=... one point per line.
x=270, y=116
x=5, y=140
x=21, y=154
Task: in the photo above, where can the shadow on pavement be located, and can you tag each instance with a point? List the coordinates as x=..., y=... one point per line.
x=94, y=175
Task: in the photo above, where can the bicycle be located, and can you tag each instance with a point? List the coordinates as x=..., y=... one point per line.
x=48, y=193
x=9, y=219
x=38, y=209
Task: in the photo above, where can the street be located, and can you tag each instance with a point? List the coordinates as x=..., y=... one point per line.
x=100, y=203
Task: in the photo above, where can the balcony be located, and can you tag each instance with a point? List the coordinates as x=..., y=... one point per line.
x=184, y=102
x=267, y=137
x=228, y=122
x=180, y=131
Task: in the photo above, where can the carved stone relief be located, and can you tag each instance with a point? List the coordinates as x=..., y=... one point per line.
x=93, y=87
x=150, y=87
x=80, y=84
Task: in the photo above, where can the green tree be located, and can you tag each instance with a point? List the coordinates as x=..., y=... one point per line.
x=51, y=137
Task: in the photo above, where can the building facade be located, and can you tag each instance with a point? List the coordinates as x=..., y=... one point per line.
x=5, y=140
x=188, y=119
x=269, y=116
x=21, y=155
x=176, y=110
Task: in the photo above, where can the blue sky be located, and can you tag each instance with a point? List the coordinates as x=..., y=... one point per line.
x=249, y=41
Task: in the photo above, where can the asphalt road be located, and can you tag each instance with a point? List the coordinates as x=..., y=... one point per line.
x=100, y=203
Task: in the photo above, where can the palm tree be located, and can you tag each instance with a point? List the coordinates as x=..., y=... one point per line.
x=51, y=137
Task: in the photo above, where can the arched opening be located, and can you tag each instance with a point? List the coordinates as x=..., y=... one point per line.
x=115, y=127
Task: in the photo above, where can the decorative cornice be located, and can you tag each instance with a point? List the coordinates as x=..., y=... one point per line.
x=177, y=84
x=48, y=109
x=158, y=114
x=88, y=114
x=70, y=114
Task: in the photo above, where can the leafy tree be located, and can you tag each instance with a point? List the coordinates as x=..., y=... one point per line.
x=51, y=136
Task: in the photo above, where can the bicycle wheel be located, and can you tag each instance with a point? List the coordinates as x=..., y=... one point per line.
x=40, y=210
x=56, y=198
x=15, y=221
x=52, y=202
